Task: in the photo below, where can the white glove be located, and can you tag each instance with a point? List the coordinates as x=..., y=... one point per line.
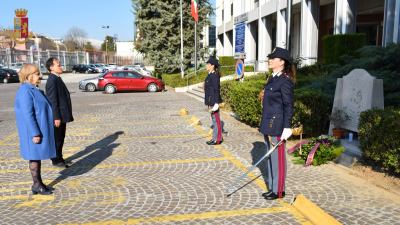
x=215, y=107
x=287, y=132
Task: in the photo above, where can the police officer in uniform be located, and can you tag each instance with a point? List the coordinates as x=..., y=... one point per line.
x=276, y=118
x=212, y=99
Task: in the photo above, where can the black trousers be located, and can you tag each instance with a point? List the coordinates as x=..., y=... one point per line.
x=59, y=136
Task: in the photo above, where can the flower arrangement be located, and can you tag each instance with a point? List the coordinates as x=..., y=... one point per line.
x=319, y=151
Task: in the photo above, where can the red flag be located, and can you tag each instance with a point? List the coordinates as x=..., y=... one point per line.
x=194, y=10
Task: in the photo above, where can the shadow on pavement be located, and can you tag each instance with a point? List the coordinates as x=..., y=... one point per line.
x=95, y=154
x=257, y=152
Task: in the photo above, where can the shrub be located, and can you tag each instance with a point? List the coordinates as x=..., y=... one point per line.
x=338, y=45
x=312, y=109
x=243, y=99
x=328, y=150
x=227, y=61
x=379, y=137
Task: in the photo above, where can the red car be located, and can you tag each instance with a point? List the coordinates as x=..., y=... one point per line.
x=114, y=81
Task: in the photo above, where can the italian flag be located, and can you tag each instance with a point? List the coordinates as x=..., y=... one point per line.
x=195, y=12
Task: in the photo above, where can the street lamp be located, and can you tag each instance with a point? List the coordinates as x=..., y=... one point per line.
x=106, y=41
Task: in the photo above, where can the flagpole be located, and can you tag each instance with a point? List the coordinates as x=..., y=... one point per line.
x=195, y=48
x=182, y=72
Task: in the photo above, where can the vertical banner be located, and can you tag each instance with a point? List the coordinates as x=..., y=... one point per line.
x=24, y=27
x=17, y=27
x=21, y=24
x=240, y=29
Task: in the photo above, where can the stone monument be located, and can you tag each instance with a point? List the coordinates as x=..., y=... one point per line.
x=357, y=92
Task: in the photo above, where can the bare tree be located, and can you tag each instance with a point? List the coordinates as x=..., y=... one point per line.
x=75, y=38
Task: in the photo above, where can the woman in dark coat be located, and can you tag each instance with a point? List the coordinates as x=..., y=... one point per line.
x=276, y=118
x=212, y=99
x=34, y=118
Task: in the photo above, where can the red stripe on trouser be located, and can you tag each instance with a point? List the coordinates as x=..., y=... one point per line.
x=281, y=168
x=218, y=122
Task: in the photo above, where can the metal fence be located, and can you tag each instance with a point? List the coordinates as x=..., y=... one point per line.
x=10, y=56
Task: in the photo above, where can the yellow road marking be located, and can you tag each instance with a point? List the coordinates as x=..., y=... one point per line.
x=130, y=164
x=193, y=216
x=14, y=189
x=28, y=200
x=296, y=214
x=11, y=137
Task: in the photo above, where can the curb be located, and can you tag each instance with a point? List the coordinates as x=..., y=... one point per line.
x=312, y=212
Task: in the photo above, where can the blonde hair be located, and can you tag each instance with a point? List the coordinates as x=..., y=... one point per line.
x=27, y=70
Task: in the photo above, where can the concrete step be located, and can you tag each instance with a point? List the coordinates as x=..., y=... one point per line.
x=197, y=97
x=351, y=155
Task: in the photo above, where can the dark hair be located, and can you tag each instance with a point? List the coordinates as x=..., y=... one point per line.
x=50, y=62
x=216, y=70
x=290, y=70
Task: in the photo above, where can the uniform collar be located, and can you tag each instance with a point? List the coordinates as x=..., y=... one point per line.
x=277, y=74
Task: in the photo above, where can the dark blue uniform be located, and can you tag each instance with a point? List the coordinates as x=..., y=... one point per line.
x=212, y=97
x=276, y=115
x=212, y=89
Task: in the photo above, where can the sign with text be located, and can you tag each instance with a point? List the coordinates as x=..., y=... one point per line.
x=240, y=30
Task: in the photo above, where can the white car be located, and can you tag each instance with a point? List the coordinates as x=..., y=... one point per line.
x=16, y=66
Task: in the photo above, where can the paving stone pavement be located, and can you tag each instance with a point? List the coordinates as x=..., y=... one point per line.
x=137, y=161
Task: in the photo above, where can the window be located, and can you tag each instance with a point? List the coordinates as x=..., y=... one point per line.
x=120, y=74
x=232, y=9
x=222, y=15
x=133, y=75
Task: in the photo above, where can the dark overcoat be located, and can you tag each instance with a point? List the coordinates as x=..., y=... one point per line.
x=277, y=110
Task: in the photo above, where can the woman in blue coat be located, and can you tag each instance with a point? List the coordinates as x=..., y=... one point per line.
x=34, y=118
x=212, y=98
x=276, y=118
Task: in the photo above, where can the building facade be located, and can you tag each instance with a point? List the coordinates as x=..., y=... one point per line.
x=261, y=25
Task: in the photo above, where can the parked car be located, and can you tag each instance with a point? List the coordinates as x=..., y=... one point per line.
x=90, y=84
x=8, y=75
x=16, y=66
x=114, y=81
x=139, y=69
x=82, y=68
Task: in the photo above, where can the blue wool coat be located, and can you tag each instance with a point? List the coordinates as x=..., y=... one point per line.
x=34, y=117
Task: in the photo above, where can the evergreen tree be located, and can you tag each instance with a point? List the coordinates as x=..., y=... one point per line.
x=110, y=44
x=89, y=47
x=158, y=26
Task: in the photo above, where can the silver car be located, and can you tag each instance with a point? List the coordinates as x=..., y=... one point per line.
x=90, y=84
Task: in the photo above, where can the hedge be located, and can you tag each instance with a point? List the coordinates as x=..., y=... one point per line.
x=337, y=45
x=379, y=137
x=312, y=109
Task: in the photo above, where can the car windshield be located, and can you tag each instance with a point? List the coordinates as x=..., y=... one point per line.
x=102, y=75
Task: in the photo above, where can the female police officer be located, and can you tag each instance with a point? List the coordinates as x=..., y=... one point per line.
x=212, y=99
x=276, y=118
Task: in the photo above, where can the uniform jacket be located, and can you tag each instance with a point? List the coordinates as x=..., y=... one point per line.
x=212, y=89
x=277, y=105
x=60, y=99
x=34, y=117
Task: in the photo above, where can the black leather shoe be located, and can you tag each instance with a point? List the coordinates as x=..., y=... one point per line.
x=265, y=194
x=41, y=190
x=213, y=142
x=210, y=142
x=274, y=196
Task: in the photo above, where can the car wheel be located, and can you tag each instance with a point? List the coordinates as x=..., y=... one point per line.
x=109, y=89
x=87, y=71
x=90, y=87
x=73, y=71
x=5, y=80
x=152, y=87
